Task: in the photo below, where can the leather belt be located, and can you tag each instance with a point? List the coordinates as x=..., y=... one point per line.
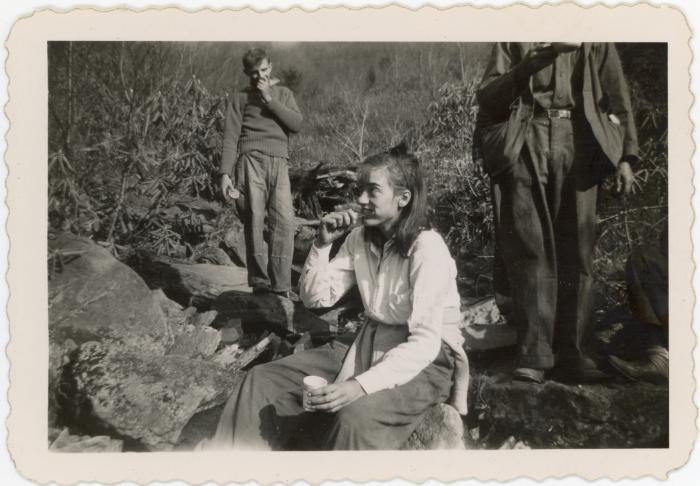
x=553, y=113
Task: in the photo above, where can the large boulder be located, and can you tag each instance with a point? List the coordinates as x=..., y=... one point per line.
x=93, y=296
x=194, y=284
x=144, y=398
x=441, y=428
x=126, y=361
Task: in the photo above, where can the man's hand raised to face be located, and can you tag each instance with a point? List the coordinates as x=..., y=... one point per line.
x=538, y=57
x=265, y=89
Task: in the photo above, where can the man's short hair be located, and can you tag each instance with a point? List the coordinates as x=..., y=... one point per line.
x=253, y=57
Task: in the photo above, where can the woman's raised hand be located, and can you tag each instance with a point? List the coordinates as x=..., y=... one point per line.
x=334, y=225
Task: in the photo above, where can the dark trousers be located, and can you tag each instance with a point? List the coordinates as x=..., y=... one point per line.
x=264, y=411
x=545, y=212
x=265, y=190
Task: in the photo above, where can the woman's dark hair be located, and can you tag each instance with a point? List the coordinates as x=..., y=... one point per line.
x=404, y=173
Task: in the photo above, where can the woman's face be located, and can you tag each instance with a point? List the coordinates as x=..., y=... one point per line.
x=381, y=205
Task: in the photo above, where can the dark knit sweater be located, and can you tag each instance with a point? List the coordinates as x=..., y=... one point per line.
x=252, y=125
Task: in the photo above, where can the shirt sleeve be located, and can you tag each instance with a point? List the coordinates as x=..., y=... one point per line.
x=503, y=82
x=323, y=281
x=614, y=83
x=505, y=79
x=286, y=110
x=432, y=270
x=232, y=131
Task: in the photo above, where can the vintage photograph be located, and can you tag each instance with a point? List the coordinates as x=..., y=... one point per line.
x=311, y=246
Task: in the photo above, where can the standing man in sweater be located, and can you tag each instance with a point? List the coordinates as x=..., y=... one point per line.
x=259, y=120
x=554, y=119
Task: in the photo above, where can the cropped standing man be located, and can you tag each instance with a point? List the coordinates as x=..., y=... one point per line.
x=259, y=120
x=555, y=118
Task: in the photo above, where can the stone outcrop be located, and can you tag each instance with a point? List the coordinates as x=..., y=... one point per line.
x=125, y=361
x=146, y=398
x=441, y=428
x=93, y=296
x=558, y=415
x=194, y=284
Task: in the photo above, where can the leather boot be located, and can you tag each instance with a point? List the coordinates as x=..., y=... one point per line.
x=652, y=370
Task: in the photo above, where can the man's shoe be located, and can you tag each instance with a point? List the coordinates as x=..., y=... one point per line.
x=528, y=375
x=655, y=370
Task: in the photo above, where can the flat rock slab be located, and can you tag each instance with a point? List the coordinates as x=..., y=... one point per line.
x=556, y=415
x=194, y=284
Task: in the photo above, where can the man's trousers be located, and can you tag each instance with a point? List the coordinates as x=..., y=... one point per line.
x=263, y=181
x=545, y=217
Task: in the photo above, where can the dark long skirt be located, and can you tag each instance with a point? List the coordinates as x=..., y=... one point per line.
x=264, y=412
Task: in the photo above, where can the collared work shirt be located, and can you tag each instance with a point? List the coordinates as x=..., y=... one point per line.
x=419, y=292
x=557, y=86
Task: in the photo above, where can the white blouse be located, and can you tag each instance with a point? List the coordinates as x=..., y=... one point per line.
x=419, y=291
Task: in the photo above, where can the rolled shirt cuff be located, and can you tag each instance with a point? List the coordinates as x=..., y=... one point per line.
x=371, y=382
x=316, y=254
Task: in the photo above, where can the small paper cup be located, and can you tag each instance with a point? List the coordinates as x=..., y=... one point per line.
x=311, y=383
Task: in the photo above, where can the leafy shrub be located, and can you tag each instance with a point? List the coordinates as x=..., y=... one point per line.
x=150, y=153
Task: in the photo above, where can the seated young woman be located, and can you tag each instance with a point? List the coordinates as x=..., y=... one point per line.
x=406, y=358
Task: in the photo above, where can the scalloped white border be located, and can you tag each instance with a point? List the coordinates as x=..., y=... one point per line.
x=26, y=157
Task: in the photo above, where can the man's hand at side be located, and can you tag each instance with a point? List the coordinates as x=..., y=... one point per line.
x=226, y=186
x=624, y=178
x=332, y=398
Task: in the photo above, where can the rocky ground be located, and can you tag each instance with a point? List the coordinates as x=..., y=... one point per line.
x=143, y=359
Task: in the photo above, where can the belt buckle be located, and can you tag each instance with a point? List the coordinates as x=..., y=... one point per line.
x=558, y=113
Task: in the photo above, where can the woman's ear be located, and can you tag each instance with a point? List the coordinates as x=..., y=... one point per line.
x=404, y=198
